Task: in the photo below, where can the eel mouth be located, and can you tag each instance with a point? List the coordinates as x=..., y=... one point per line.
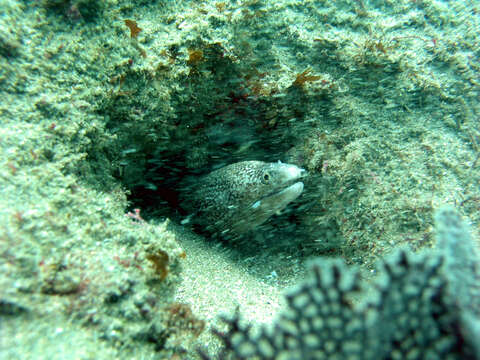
x=273, y=202
x=291, y=187
x=279, y=198
x=293, y=190
x=277, y=201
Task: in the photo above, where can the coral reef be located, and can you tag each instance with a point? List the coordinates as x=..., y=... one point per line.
x=420, y=306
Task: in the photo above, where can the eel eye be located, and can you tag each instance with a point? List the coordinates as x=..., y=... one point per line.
x=266, y=177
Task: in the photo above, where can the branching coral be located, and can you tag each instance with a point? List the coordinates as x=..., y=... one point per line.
x=412, y=310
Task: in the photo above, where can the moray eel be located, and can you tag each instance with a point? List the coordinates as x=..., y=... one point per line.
x=239, y=197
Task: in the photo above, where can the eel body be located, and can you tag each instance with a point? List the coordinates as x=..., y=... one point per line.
x=239, y=197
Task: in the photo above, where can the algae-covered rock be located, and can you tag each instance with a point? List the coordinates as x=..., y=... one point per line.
x=379, y=102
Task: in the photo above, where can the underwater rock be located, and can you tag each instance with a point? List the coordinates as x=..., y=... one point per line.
x=239, y=197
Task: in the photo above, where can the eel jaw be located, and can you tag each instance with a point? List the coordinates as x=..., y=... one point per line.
x=261, y=210
x=272, y=203
x=276, y=202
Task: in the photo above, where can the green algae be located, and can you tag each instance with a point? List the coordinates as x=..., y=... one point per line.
x=89, y=126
